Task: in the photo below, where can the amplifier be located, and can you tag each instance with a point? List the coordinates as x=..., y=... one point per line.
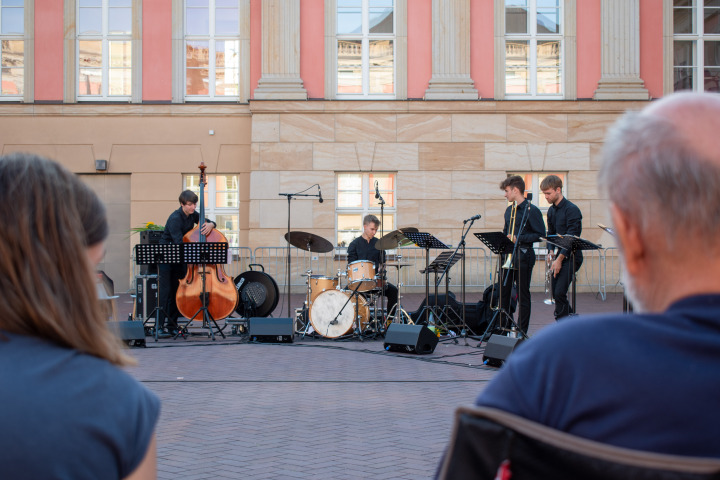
x=146, y=289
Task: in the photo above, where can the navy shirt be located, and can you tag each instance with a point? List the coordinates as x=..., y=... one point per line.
x=533, y=226
x=648, y=381
x=564, y=219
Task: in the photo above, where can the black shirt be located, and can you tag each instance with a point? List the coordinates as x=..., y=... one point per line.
x=177, y=225
x=531, y=222
x=564, y=219
x=361, y=249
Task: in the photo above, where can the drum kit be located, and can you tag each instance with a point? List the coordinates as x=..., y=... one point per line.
x=347, y=304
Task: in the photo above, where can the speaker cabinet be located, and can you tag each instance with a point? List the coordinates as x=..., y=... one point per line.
x=410, y=339
x=131, y=332
x=271, y=330
x=146, y=289
x=499, y=348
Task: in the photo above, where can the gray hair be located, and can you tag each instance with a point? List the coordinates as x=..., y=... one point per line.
x=652, y=173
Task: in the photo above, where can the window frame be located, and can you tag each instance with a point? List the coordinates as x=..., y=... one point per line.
x=696, y=39
x=399, y=48
x=366, y=208
x=26, y=38
x=211, y=208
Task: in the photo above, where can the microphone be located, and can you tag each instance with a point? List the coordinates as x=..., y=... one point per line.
x=377, y=191
x=474, y=217
x=334, y=322
x=320, y=194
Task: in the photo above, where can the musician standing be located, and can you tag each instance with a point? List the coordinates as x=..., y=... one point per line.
x=563, y=218
x=363, y=248
x=528, y=228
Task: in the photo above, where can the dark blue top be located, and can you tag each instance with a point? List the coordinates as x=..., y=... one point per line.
x=529, y=218
x=68, y=415
x=649, y=381
x=564, y=219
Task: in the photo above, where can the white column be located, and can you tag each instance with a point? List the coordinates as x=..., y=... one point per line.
x=620, y=78
x=280, y=77
x=451, y=52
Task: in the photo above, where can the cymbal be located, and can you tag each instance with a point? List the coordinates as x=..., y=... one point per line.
x=397, y=265
x=395, y=239
x=308, y=241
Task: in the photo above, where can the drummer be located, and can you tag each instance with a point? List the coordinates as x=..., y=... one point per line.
x=363, y=248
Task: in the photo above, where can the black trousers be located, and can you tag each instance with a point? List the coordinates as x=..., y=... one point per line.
x=169, y=277
x=561, y=284
x=524, y=262
x=391, y=293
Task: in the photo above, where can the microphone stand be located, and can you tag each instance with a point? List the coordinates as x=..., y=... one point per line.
x=382, y=257
x=290, y=197
x=515, y=258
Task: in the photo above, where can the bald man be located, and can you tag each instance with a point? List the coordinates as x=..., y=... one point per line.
x=648, y=381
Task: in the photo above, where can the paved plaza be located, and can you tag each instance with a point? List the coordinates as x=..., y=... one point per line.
x=316, y=408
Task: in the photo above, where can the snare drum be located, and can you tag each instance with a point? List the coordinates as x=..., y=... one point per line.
x=326, y=307
x=320, y=284
x=361, y=272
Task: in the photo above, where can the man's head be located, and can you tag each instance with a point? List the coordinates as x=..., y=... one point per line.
x=551, y=187
x=661, y=173
x=370, y=226
x=188, y=201
x=514, y=188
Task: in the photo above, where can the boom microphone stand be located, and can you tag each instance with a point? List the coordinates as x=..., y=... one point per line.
x=383, y=258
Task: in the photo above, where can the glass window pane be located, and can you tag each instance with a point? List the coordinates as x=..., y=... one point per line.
x=226, y=82
x=683, y=79
x=548, y=20
x=381, y=66
x=712, y=79
x=712, y=20
x=197, y=21
x=381, y=3
x=12, y=81
x=89, y=3
x=349, y=20
x=12, y=21
x=198, y=3
x=712, y=53
x=387, y=222
x=119, y=21
x=120, y=54
x=227, y=53
x=227, y=222
x=90, y=53
x=90, y=21
x=381, y=20
x=548, y=3
x=226, y=3
x=350, y=181
x=683, y=20
x=197, y=53
x=349, y=66
x=548, y=53
x=517, y=80
x=349, y=3
x=226, y=199
x=13, y=54
x=349, y=221
x=516, y=16
x=90, y=81
x=197, y=81
x=120, y=3
x=683, y=53
x=349, y=200
x=711, y=3
x=548, y=81
x=227, y=21
x=682, y=3
x=120, y=81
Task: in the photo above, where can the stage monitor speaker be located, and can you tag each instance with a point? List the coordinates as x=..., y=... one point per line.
x=131, y=332
x=499, y=348
x=410, y=339
x=271, y=330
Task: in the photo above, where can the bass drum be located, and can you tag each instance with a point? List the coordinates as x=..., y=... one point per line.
x=326, y=307
x=258, y=294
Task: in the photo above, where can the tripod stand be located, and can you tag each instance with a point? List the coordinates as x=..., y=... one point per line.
x=426, y=241
x=204, y=253
x=571, y=243
x=500, y=245
x=156, y=254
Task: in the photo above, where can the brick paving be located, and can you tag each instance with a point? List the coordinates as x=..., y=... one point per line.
x=317, y=408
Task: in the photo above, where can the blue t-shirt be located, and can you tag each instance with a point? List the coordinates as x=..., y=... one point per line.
x=68, y=415
x=648, y=382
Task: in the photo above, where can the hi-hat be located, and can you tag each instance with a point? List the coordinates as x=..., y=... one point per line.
x=308, y=241
x=395, y=239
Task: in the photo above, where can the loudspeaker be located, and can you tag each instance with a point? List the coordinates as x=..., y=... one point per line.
x=272, y=330
x=498, y=348
x=151, y=237
x=131, y=332
x=410, y=339
x=145, y=291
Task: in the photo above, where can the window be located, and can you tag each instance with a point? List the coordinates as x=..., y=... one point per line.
x=365, y=49
x=12, y=65
x=212, y=49
x=533, y=48
x=696, y=45
x=222, y=202
x=104, y=49
x=532, y=185
x=356, y=198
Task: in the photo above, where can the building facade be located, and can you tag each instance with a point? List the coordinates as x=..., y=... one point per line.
x=435, y=100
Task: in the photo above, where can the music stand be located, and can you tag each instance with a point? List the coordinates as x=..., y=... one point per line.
x=202, y=253
x=156, y=254
x=442, y=264
x=426, y=241
x=499, y=244
x=571, y=243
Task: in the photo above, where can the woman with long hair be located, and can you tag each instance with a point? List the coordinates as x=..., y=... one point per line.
x=66, y=409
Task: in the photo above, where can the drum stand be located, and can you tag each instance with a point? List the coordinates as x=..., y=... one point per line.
x=398, y=314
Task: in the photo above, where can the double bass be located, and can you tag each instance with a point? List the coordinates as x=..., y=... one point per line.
x=206, y=281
